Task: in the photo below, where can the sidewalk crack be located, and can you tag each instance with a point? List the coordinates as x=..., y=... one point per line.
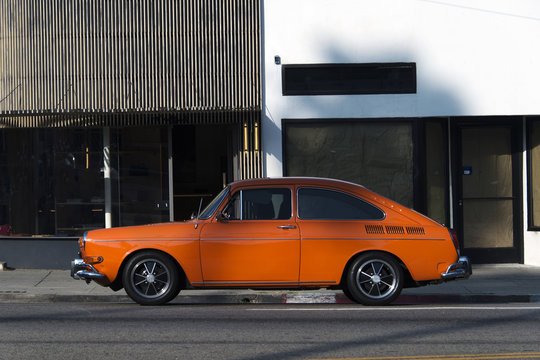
x=42, y=280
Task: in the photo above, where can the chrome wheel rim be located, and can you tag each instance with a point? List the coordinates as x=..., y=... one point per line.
x=376, y=279
x=150, y=278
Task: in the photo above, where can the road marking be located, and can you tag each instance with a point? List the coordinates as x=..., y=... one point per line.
x=532, y=355
x=407, y=308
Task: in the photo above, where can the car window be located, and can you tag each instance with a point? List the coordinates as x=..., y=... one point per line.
x=211, y=208
x=260, y=204
x=327, y=204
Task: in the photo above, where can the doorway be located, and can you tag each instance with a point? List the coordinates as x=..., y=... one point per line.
x=203, y=163
x=488, y=196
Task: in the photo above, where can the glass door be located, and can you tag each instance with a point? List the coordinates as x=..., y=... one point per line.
x=488, y=204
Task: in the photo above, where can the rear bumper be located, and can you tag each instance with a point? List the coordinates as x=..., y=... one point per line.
x=460, y=270
x=83, y=271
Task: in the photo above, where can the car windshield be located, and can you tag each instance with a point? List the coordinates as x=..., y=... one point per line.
x=210, y=209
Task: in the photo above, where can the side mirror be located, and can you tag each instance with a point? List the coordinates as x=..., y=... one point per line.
x=222, y=218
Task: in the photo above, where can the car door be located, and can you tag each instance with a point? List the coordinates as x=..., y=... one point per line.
x=254, y=240
x=332, y=226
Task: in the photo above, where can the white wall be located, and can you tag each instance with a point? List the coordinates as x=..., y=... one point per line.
x=474, y=57
x=531, y=249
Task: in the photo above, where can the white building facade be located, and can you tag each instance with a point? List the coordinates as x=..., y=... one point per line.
x=432, y=103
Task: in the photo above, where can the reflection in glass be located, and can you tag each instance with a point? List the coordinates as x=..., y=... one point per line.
x=139, y=175
x=376, y=155
x=51, y=181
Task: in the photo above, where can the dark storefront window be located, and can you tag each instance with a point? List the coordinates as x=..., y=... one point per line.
x=51, y=182
x=406, y=161
x=378, y=155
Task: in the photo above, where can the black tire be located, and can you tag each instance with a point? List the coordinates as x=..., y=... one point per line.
x=346, y=291
x=151, y=278
x=374, y=279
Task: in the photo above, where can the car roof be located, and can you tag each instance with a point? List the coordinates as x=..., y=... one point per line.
x=335, y=184
x=297, y=180
x=311, y=182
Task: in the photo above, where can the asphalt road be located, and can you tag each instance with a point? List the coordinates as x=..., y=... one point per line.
x=128, y=331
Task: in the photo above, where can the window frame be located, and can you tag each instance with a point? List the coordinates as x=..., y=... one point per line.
x=210, y=209
x=336, y=191
x=531, y=226
x=240, y=193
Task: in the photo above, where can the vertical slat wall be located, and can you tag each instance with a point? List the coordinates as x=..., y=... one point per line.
x=129, y=63
x=116, y=55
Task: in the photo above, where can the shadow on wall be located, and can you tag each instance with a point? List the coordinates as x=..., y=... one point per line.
x=432, y=99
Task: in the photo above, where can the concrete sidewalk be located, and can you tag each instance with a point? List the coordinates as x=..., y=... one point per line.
x=489, y=284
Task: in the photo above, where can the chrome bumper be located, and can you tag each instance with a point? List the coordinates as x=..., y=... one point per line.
x=460, y=270
x=83, y=271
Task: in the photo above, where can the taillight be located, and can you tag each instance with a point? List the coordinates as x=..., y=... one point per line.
x=455, y=240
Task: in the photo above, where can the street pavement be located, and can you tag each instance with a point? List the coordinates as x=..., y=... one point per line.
x=500, y=283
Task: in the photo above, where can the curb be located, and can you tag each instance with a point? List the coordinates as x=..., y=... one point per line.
x=416, y=299
x=466, y=299
x=18, y=297
x=280, y=298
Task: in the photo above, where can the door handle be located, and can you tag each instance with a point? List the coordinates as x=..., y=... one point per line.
x=287, y=227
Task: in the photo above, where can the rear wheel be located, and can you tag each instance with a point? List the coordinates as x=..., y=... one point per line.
x=374, y=279
x=151, y=278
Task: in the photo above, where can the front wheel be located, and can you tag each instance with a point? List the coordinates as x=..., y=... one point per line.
x=374, y=279
x=151, y=278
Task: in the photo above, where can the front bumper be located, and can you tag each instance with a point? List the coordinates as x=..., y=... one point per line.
x=83, y=271
x=460, y=270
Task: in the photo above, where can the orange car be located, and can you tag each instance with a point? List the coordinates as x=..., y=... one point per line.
x=278, y=233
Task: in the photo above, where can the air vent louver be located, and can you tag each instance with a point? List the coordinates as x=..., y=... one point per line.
x=395, y=229
x=415, y=230
x=374, y=229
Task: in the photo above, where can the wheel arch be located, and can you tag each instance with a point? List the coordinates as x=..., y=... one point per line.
x=408, y=279
x=117, y=283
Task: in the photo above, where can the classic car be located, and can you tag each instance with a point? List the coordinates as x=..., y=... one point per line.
x=284, y=233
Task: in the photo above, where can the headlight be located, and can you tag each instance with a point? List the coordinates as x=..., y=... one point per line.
x=83, y=241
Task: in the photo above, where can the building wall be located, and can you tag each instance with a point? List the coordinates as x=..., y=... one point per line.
x=114, y=63
x=64, y=56
x=83, y=81
x=473, y=58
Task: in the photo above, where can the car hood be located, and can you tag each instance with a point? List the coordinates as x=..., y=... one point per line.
x=170, y=230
